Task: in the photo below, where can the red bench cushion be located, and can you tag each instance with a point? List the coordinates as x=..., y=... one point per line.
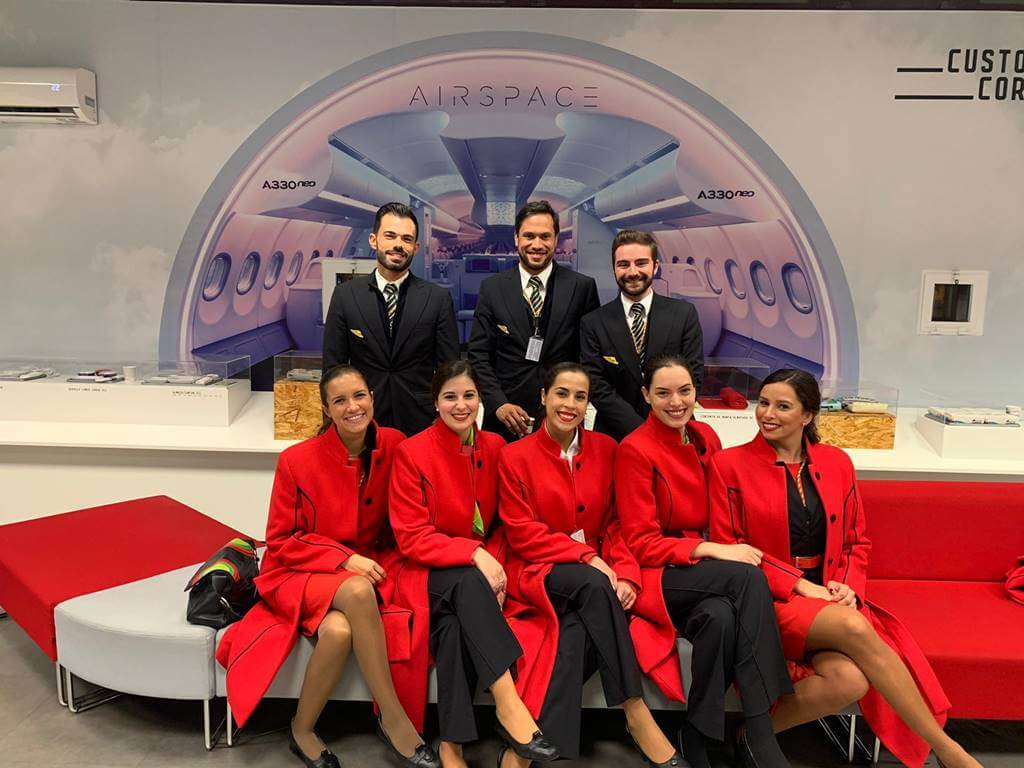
x=46, y=561
x=973, y=635
x=943, y=530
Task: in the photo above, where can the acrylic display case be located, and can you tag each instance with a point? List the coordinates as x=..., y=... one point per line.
x=860, y=415
x=973, y=425
x=197, y=392
x=297, y=411
x=731, y=383
x=727, y=397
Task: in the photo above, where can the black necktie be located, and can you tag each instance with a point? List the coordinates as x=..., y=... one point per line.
x=638, y=329
x=391, y=304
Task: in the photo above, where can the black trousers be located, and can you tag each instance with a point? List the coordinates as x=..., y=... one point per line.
x=593, y=635
x=471, y=644
x=725, y=610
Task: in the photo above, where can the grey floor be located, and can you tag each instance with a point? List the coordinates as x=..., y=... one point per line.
x=131, y=731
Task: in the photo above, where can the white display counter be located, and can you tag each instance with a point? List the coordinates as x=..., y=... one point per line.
x=227, y=472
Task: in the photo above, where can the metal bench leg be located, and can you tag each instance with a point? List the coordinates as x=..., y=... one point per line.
x=849, y=745
x=61, y=695
x=852, y=745
x=231, y=727
x=875, y=753
x=3, y=613
x=90, y=700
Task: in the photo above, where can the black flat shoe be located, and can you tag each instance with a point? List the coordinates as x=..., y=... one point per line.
x=537, y=748
x=423, y=757
x=676, y=761
x=327, y=758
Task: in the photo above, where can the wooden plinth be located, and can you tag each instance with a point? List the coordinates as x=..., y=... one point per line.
x=297, y=413
x=857, y=430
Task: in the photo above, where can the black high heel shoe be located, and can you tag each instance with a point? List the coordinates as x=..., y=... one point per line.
x=676, y=761
x=501, y=754
x=327, y=758
x=744, y=755
x=537, y=748
x=423, y=757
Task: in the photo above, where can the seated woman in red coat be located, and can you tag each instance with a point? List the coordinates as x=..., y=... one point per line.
x=444, y=493
x=327, y=550
x=797, y=501
x=570, y=574
x=711, y=593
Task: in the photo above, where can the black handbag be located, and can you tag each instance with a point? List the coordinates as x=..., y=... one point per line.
x=224, y=587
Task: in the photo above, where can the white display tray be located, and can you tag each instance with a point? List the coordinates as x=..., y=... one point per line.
x=972, y=441
x=123, y=403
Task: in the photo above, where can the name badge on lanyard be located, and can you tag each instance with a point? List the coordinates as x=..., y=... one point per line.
x=578, y=535
x=533, y=347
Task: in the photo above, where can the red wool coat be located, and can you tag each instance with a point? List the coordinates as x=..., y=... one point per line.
x=749, y=505
x=663, y=507
x=319, y=515
x=542, y=504
x=434, y=482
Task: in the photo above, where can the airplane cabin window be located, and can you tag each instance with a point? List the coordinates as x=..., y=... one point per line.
x=216, y=276
x=797, y=289
x=274, y=270
x=762, y=283
x=736, y=281
x=247, y=275
x=713, y=276
x=294, y=268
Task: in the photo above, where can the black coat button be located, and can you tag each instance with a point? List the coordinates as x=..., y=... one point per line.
x=580, y=507
x=579, y=465
x=832, y=519
x=479, y=463
x=817, y=475
x=368, y=502
x=830, y=561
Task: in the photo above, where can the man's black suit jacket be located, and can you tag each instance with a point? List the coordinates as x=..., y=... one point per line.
x=503, y=325
x=609, y=357
x=399, y=370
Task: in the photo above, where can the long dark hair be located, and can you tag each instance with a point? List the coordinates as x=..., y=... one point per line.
x=328, y=376
x=450, y=370
x=552, y=373
x=664, y=360
x=807, y=392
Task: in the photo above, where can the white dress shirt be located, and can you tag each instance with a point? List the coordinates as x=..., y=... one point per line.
x=381, y=282
x=627, y=304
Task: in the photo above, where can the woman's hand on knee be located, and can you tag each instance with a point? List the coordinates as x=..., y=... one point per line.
x=364, y=566
x=806, y=588
x=492, y=571
x=737, y=553
x=603, y=567
x=626, y=594
x=841, y=593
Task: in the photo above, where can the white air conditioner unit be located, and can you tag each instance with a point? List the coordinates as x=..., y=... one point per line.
x=47, y=95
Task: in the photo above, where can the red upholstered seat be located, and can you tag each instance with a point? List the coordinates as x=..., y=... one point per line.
x=943, y=530
x=973, y=635
x=46, y=561
x=939, y=556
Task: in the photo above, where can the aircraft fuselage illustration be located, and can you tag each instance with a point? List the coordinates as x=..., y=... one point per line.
x=607, y=149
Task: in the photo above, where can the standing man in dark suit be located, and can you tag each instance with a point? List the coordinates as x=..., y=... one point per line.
x=393, y=326
x=526, y=320
x=638, y=324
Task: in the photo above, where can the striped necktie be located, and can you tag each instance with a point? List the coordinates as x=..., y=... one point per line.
x=638, y=329
x=533, y=297
x=391, y=304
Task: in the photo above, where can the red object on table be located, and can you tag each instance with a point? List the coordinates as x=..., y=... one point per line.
x=48, y=560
